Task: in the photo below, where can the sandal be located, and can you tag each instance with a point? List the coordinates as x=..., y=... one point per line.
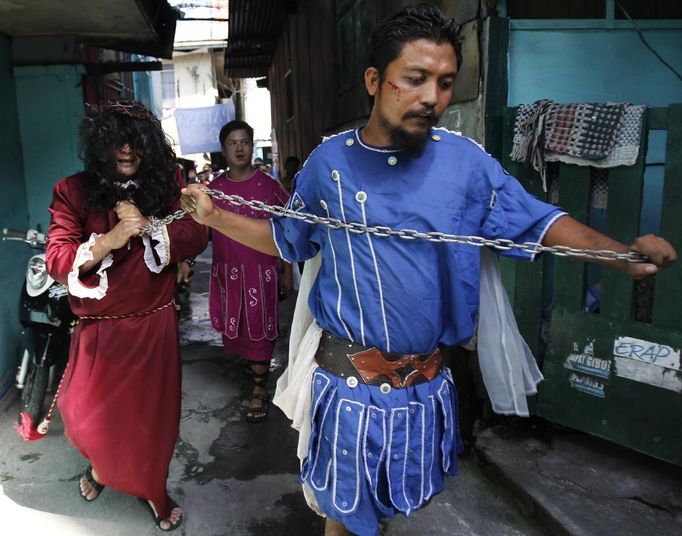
x=258, y=414
x=246, y=386
x=96, y=486
x=158, y=520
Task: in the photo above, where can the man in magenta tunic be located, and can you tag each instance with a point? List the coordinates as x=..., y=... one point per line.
x=120, y=400
x=245, y=282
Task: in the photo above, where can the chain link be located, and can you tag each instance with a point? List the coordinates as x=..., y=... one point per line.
x=381, y=231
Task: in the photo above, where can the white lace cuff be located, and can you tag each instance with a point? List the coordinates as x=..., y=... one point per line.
x=162, y=248
x=83, y=255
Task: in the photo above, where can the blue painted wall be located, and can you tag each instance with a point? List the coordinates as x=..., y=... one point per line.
x=593, y=65
x=13, y=214
x=143, y=90
x=50, y=103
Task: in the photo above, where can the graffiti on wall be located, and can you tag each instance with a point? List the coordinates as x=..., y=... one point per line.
x=648, y=362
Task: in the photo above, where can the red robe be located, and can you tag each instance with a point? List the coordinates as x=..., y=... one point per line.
x=120, y=399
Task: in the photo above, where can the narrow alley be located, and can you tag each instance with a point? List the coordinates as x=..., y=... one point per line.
x=572, y=425
x=231, y=478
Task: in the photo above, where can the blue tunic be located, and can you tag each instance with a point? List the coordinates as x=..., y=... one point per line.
x=401, y=295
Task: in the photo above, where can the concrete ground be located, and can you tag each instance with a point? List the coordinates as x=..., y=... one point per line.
x=579, y=485
x=230, y=477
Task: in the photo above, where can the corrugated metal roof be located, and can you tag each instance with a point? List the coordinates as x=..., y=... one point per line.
x=254, y=28
x=144, y=27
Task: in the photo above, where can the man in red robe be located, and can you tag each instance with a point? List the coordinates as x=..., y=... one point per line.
x=120, y=400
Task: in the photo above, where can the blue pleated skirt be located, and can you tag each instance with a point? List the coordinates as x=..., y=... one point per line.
x=374, y=454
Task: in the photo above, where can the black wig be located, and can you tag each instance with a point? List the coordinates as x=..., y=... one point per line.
x=109, y=127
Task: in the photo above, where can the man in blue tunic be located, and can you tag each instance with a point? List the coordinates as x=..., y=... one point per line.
x=384, y=419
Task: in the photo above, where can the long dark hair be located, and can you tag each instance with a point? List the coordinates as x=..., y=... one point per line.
x=109, y=127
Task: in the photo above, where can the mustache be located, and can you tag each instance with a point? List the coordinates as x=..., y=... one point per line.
x=424, y=113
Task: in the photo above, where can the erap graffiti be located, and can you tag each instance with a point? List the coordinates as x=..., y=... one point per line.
x=648, y=362
x=649, y=352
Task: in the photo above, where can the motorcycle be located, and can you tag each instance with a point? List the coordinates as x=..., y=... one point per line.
x=47, y=323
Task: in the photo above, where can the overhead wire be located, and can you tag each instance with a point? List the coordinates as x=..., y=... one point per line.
x=646, y=43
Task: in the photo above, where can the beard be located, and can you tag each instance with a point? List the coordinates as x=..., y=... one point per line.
x=412, y=143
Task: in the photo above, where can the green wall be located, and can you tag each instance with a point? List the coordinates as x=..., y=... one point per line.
x=42, y=109
x=50, y=104
x=14, y=214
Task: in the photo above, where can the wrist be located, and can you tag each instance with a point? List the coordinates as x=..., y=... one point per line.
x=104, y=243
x=213, y=218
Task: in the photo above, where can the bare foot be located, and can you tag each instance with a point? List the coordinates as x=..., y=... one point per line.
x=258, y=407
x=174, y=518
x=90, y=486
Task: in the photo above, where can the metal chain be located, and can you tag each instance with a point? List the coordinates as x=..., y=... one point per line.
x=408, y=234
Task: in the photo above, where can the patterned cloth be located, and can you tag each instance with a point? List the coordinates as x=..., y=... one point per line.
x=585, y=134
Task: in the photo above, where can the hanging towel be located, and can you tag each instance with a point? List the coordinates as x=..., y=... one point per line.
x=601, y=135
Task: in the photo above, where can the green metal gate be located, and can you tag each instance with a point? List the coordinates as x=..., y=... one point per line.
x=615, y=373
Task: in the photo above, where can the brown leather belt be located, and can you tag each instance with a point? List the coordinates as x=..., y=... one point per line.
x=372, y=366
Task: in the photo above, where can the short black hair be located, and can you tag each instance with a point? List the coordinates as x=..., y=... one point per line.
x=424, y=21
x=292, y=159
x=231, y=127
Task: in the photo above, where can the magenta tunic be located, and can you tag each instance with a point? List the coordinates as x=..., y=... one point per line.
x=243, y=286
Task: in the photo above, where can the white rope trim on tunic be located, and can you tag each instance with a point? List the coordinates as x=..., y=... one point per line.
x=336, y=278
x=378, y=276
x=83, y=255
x=352, y=260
